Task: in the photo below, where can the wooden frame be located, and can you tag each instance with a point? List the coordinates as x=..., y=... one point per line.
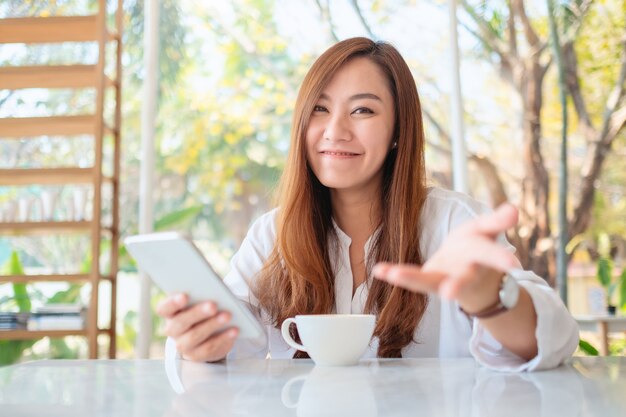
x=50, y=76
x=20, y=127
x=55, y=30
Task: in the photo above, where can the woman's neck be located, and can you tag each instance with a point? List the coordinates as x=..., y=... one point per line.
x=356, y=213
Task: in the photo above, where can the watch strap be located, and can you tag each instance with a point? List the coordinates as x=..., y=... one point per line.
x=491, y=311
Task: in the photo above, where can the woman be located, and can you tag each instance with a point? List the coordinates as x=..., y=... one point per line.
x=357, y=231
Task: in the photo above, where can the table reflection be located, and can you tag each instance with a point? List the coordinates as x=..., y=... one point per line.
x=404, y=387
x=392, y=387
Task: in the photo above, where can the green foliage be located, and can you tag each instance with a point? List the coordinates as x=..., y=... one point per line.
x=171, y=41
x=605, y=277
x=71, y=295
x=604, y=272
x=617, y=347
x=127, y=335
x=20, y=295
x=622, y=296
x=59, y=349
x=587, y=348
x=228, y=147
x=12, y=350
x=177, y=218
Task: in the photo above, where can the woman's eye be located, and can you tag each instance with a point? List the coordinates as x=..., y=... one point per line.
x=318, y=108
x=362, y=110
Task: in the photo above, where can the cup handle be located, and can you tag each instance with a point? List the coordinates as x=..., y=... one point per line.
x=284, y=329
x=284, y=393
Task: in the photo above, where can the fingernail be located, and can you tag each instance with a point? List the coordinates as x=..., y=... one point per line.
x=232, y=333
x=207, y=308
x=180, y=299
x=223, y=318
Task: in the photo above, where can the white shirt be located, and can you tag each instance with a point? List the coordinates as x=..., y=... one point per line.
x=443, y=331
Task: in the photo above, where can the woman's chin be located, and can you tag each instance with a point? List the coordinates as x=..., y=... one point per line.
x=338, y=184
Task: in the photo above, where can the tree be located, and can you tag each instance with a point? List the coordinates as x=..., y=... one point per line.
x=512, y=40
x=228, y=144
x=516, y=43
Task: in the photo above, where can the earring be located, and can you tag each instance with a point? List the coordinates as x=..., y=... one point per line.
x=395, y=145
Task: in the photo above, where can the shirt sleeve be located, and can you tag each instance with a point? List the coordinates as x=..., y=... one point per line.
x=556, y=332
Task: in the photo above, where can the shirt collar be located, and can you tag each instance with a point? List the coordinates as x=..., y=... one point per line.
x=345, y=240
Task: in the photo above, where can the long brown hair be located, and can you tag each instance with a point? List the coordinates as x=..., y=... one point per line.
x=298, y=278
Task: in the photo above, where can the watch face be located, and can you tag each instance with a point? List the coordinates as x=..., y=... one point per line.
x=509, y=292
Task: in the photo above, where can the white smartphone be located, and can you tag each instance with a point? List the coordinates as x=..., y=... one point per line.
x=176, y=265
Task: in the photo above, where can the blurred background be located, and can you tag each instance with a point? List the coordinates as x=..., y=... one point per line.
x=228, y=75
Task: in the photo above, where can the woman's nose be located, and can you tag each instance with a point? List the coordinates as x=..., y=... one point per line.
x=337, y=129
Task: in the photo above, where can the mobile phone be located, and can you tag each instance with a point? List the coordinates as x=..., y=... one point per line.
x=176, y=265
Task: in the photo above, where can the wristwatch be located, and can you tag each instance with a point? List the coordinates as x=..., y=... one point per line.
x=508, y=296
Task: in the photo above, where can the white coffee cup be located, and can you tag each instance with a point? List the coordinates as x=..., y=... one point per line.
x=332, y=339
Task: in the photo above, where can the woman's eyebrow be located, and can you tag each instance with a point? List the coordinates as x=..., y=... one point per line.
x=359, y=96
x=365, y=95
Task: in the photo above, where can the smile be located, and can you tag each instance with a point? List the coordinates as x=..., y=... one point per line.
x=330, y=153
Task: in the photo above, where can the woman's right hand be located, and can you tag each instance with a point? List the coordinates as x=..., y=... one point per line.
x=197, y=329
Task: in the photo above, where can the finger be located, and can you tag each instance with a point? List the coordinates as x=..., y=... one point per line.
x=216, y=347
x=186, y=319
x=410, y=277
x=202, y=331
x=487, y=253
x=381, y=268
x=492, y=224
x=171, y=305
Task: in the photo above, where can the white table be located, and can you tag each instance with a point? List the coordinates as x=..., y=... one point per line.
x=403, y=387
x=603, y=325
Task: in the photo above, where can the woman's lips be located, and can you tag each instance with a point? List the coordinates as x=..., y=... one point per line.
x=337, y=154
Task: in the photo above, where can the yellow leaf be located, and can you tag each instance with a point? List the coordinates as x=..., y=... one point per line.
x=280, y=110
x=230, y=138
x=246, y=130
x=216, y=129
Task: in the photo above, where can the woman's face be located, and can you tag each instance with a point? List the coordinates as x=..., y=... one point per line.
x=349, y=134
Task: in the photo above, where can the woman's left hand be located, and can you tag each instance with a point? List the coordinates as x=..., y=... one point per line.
x=468, y=266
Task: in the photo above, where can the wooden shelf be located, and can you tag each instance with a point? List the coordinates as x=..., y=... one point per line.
x=46, y=176
x=51, y=278
x=51, y=76
x=37, y=228
x=45, y=278
x=24, y=334
x=51, y=227
x=20, y=127
x=63, y=29
x=53, y=29
x=49, y=176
